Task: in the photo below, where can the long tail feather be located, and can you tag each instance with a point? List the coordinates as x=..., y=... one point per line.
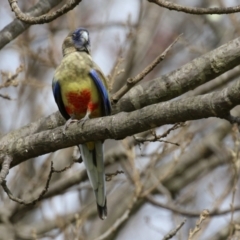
x=94, y=162
x=102, y=211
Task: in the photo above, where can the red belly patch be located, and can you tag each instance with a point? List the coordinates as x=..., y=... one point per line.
x=80, y=102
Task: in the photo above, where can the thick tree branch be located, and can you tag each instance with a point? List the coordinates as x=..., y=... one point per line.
x=177, y=82
x=217, y=104
x=191, y=75
x=16, y=27
x=44, y=18
x=195, y=10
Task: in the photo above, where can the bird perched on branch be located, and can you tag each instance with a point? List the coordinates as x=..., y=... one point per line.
x=80, y=91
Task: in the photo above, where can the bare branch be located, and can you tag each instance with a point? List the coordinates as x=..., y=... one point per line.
x=174, y=232
x=109, y=176
x=189, y=76
x=11, y=78
x=203, y=216
x=16, y=27
x=5, y=96
x=132, y=81
x=183, y=212
x=195, y=10
x=157, y=138
x=44, y=18
x=5, y=167
x=44, y=191
x=217, y=104
x=10, y=195
x=172, y=173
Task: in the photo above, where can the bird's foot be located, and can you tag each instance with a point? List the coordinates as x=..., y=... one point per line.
x=69, y=121
x=84, y=119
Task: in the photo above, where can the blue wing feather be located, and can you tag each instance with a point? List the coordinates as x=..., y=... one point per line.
x=56, y=88
x=102, y=90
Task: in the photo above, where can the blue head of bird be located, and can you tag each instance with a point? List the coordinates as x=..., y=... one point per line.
x=77, y=40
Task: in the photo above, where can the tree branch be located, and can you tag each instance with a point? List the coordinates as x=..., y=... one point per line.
x=217, y=104
x=191, y=75
x=177, y=210
x=195, y=10
x=190, y=167
x=11, y=80
x=43, y=192
x=16, y=27
x=133, y=81
x=44, y=18
x=7, y=159
x=172, y=233
x=177, y=82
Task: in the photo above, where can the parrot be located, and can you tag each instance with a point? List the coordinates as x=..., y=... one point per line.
x=80, y=91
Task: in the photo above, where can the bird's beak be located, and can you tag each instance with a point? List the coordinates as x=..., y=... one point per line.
x=85, y=39
x=84, y=35
x=87, y=46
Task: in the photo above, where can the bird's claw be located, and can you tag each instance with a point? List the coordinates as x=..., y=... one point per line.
x=69, y=121
x=84, y=119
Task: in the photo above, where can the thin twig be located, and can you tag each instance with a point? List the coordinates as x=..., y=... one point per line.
x=157, y=138
x=5, y=96
x=174, y=127
x=10, y=195
x=46, y=18
x=235, y=166
x=153, y=139
x=132, y=81
x=183, y=212
x=203, y=216
x=172, y=233
x=65, y=168
x=195, y=10
x=44, y=191
x=46, y=185
x=11, y=78
x=109, y=176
